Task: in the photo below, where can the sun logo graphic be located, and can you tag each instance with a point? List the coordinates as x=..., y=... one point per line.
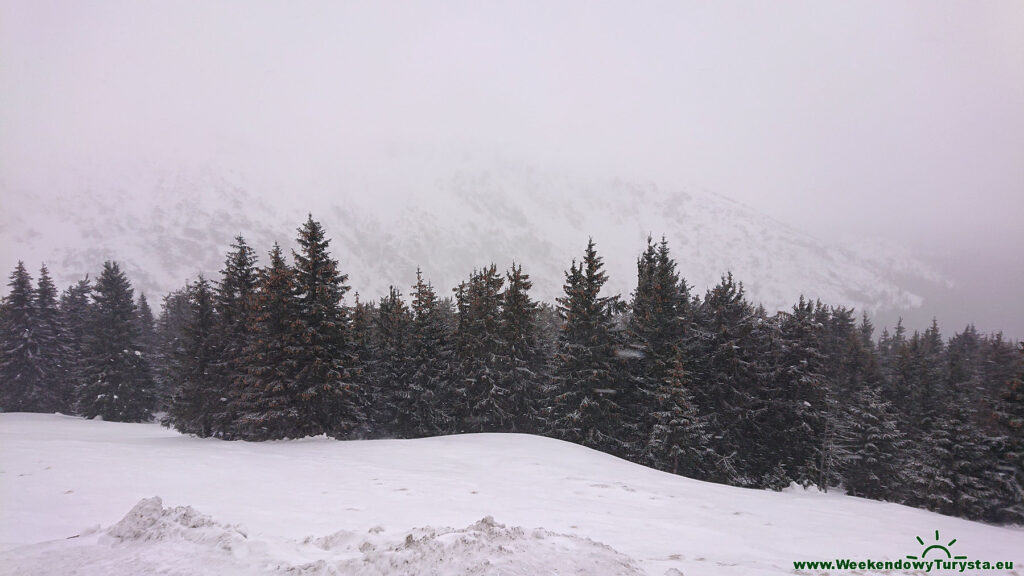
x=937, y=549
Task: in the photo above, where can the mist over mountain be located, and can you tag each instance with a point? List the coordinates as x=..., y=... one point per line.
x=166, y=230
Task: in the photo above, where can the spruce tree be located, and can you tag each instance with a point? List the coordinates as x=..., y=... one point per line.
x=234, y=304
x=200, y=391
x=794, y=418
x=731, y=338
x=586, y=377
x=869, y=443
x=521, y=361
x=660, y=314
x=390, y=390
x=53, y=352
x=118, y=384
x=678, y=439
x=659, y=309
x=1007, y=461
x=429, y=411
x=74, y=311
x=175, y=316
x=22, y=373
x=321, y=352
x=146, y=327
x=362, y=332
x=483, y=403
x=952, y=475
x=267, y=402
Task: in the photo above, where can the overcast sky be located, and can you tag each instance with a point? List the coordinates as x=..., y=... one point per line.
x=903, y=120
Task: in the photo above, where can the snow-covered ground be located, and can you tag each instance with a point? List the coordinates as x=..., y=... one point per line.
x=88, y=497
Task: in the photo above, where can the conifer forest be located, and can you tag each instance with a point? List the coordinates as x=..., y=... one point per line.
x=708, y=385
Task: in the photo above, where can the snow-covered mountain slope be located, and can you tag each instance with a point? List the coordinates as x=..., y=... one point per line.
x=80, y=496
x=169, y=230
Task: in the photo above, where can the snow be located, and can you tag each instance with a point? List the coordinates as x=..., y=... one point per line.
x=89, y=497
x=449, y=223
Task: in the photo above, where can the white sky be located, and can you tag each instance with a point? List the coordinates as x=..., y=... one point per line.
x=847, y=119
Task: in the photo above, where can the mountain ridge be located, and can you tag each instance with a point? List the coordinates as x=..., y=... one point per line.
x=175, y=227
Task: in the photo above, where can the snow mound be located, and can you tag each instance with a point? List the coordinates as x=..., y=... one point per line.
x=181, y=541
x=149, y=521
x=484, y=547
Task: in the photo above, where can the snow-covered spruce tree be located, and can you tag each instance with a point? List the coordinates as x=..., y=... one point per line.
x=952, y=476
x=481, y=402
x=868, y=441
x=200, y=391
x=364, y=346
x=836, y=327
x=1001, y=363
x=1007, y=470
x=678, y=440
x=234, y=304
x=657, y=326
x=53, y=351
x=866, y=332
x=922, y=395
x=388, y=385
x=266, y=404
x=175, y=315
x=74, y=312
x=892, y=354
x=429, y=411
x=320, y=350
x=22, y=385
x=362, y=332
x=659, y=309
x=118, y=384
x=521, y=361
x=146, y=327
x=732, y=340
x=793, y=420
x=965, y=361
x=585, y=374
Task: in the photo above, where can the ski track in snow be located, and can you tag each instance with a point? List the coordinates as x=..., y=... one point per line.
x=519, y=505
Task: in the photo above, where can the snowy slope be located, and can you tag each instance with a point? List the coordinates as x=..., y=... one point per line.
x=78, y=496
x=168, y=229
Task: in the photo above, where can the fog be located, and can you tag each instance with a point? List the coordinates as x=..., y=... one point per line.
x=901, y=122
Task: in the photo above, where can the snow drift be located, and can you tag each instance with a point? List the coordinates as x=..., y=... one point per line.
x=150, y=532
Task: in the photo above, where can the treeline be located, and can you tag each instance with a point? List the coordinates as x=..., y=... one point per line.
x=710, y=386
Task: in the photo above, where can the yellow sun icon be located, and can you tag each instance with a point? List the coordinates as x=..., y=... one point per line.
x=938, y=547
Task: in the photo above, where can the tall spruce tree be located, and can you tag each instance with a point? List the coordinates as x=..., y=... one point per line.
x=266, y=405
x=952, y=475
x=731, y=338
x=321, y=352
x=22, y=373
x=483, y=406
x=389, y=381
x=234, y=304
x=521, y=361
x=793, y=420
x=175, y=316
x=586, y=376
x=869, y=443
x=673, y=436
x=430, y=408
x=74, y=311
x=53, y=351
x=146, y=327
x=200, y=390
x=1007, y=471
x=118, y=384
